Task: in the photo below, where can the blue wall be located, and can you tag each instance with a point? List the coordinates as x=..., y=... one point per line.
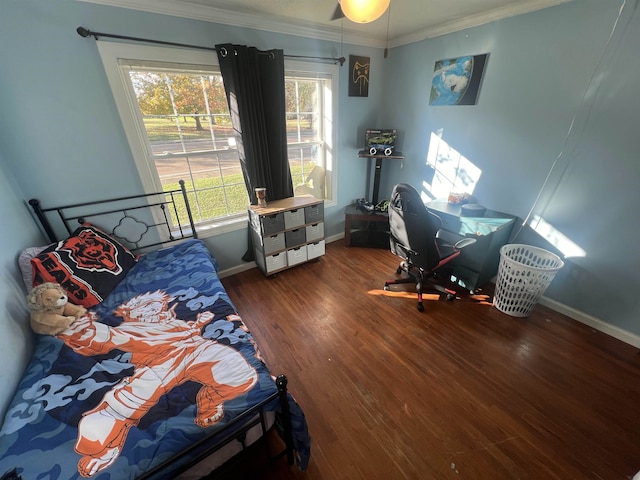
x=544, y=68
x=17, y=231
x=62, y=138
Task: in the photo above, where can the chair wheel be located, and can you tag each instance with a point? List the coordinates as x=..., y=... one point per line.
x=386, y=287
x=399, y=271
x=451, y=297
x=420, y=307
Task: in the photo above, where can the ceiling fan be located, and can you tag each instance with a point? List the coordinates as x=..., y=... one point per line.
x=337, y=13
x=360, y=11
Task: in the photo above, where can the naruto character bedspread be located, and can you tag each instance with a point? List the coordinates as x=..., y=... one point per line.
x=162, y=362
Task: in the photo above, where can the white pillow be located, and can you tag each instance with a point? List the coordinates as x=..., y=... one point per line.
x=24, y=263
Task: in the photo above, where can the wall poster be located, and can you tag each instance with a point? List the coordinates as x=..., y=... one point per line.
x=359, y=68
x=456, y=81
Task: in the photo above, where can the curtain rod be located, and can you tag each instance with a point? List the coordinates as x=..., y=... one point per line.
x=83, y=32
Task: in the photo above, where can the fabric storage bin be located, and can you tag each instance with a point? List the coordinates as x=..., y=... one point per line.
x=315, y=249
x=272, y=223
x=294, y=218
x=315, y=232
x=275, y=262
x=274, y=243
x=293, y=238
x=296, y=255
x=314, y=213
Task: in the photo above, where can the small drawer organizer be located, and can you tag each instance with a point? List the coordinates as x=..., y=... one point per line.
x=287, y=232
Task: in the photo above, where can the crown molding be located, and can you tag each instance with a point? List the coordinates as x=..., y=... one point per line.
x=321, y=32
x=244, y=20
x=475, y=20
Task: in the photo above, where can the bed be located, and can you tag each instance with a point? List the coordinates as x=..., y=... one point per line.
x=161, y=371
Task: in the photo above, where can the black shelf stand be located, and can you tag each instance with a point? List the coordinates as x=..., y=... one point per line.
x=378, y=169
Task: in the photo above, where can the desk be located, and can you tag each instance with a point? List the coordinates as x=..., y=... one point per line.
x=478, y=263
x=365, y=229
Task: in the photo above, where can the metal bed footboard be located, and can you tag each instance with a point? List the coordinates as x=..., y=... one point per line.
x=235, y=429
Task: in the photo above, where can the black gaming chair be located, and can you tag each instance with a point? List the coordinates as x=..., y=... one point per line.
x=414, y=237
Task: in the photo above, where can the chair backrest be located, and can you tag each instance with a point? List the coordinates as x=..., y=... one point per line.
x=413, y=228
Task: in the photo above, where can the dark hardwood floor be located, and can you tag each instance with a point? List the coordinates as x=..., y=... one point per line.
x=459, y=391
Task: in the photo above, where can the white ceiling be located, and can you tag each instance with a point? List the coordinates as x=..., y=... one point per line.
x=407, y=20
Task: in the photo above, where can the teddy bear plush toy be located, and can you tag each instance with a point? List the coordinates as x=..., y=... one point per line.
x=51, y=312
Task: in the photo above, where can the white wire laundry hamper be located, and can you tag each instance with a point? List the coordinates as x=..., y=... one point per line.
x=524, y=274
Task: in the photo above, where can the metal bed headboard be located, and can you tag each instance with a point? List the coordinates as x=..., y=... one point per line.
x=158, y=218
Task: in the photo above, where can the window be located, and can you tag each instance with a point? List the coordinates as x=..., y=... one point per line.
x=173, y=106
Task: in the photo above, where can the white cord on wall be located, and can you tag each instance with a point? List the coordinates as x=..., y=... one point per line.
x=593, y=79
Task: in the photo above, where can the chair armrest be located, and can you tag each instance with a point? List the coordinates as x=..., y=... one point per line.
x=465, y=242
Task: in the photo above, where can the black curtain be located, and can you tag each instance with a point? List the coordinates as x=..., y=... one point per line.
x=254, y=83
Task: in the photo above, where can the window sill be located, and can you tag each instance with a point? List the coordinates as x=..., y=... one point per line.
x=238, y=222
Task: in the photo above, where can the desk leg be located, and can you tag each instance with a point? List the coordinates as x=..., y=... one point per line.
x=347, y=230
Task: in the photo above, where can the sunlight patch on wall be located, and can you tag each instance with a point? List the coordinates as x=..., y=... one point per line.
x=452, y=172
x=556, y=238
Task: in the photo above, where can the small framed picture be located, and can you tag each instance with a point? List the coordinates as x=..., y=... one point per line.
x=359, y=82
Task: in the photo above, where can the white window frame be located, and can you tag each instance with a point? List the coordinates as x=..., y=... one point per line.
x=112, y=53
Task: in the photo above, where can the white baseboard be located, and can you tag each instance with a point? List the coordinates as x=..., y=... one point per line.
x=615, y=332
x=237, y=269
x=333, y=238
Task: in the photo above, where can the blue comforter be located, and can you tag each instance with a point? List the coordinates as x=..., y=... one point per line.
x=163, y=362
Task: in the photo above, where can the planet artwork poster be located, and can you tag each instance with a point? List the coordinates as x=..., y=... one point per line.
x=456, y=81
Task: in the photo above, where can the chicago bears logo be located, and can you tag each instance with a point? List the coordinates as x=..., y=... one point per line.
x=93, y=252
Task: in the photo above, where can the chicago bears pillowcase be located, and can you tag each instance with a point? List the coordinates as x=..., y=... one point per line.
x=88, y=265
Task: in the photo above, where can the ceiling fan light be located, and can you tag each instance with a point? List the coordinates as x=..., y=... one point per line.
x=363, y=11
